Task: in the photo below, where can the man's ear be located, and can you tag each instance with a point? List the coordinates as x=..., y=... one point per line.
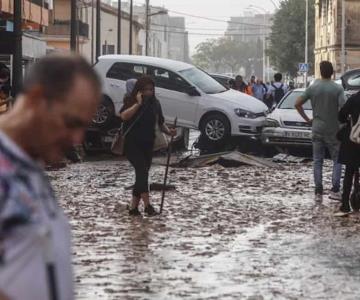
x=36, y=95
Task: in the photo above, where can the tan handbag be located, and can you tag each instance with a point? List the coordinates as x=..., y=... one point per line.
x=117, y=146
x=161, y=141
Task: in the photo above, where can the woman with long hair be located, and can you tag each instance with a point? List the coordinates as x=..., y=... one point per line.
x=140, y=113
x=349, y=154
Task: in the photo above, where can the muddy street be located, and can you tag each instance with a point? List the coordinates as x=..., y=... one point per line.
x=235, y=233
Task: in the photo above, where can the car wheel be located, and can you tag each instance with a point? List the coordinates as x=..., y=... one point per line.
x=215, y=128
x=104, y=114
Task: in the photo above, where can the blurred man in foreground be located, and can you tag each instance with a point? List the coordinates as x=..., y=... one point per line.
x=60, y=95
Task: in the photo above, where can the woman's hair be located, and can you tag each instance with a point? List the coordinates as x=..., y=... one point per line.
x=140, y=85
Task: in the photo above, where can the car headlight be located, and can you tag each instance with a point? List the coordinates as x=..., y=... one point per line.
x=242, y=113
x=271, y=123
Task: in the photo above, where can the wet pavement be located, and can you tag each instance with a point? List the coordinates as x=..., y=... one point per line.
x=237, y=233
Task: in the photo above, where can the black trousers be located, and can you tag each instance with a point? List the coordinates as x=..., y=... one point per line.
x=350, y=176
x=140, y=156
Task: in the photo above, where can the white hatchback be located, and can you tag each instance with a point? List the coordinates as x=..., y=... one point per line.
x=185, y=92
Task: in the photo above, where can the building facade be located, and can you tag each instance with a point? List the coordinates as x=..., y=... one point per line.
x=35, y=19
x=328, y=34
x=253, y=28
x=168, y=37
x=178, y=40
x=58, y=31
x=249, y=28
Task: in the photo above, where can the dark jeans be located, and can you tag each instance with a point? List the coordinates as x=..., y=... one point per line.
x=350, y=175
x=140, y=157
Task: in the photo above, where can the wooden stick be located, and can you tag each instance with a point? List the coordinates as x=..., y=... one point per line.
x=167, y=169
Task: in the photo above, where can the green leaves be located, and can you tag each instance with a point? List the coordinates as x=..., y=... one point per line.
x=225, y=51
x=287, y=40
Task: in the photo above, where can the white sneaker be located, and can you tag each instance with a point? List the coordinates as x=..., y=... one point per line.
x=335, y=196
x=341, y=214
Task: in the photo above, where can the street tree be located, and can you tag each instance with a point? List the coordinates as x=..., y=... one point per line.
x=287, y=38
x=226, y=53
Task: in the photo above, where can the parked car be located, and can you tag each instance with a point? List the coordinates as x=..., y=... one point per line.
x=222, y=79
x=351, y=82
x=284, y=126
x=185, y=92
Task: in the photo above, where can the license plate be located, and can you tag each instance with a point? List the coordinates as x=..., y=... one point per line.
x=298, y=135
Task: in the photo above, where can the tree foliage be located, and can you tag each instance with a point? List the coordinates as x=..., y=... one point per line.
x=287, y=39
x=226, y=53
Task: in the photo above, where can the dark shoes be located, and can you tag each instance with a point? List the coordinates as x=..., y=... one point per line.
x=150, y=211
x=134, y=212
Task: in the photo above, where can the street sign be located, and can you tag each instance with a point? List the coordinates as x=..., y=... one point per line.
x=303, y=68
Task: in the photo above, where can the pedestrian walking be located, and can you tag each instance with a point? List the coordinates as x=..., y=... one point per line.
x=59, y=98
x=277, y=89
x=291, y=85
x=326, y=98
x=349, y=154
x=258, y=90
x=140, y=113
x=241, y=86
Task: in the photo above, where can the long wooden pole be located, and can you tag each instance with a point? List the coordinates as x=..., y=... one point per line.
x=167, y=169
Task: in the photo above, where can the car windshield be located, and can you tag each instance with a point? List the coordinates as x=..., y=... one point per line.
x=290, y=100
x=203, y=81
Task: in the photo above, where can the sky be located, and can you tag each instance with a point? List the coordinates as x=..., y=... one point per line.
x=215, y=9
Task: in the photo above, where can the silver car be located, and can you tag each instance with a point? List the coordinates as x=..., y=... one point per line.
x=284, y=126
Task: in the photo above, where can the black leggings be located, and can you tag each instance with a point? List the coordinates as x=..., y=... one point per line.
x=350, y=176
x=140, y=157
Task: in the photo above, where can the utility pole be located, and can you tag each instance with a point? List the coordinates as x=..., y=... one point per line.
x=306, y=41
x=73, y=22
x=131, y=27
x=343, y=32
x=17, y=55
x=119, y=28
x=98, y=29
x=147, y=20
x=92, y=29
x=264, y=46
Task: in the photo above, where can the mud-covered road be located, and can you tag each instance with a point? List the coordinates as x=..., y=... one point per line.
x=241, y=233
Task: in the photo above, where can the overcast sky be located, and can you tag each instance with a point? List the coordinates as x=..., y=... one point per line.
x=217, y=9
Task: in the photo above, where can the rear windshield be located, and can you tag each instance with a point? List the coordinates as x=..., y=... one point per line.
x=203, y=81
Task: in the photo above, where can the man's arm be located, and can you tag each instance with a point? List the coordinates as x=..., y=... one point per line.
x=299, y=107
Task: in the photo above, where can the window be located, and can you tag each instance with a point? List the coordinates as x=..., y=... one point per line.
x=168, y=80
x=125, y=71
x=203, y=81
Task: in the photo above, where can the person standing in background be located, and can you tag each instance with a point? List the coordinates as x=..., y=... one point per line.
x=327, y=98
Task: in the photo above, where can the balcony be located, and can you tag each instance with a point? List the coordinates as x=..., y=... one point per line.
x=32, y=11
x=62, y=28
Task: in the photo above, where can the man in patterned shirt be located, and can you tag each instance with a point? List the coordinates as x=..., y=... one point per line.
x=60, y=95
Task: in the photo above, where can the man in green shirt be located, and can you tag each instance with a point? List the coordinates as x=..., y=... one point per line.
x=327, y=98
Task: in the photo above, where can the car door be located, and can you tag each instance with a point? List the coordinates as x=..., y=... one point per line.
x=175, y=102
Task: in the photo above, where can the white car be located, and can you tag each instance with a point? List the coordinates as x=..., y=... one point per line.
x=285, y=127
x=185, y=92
